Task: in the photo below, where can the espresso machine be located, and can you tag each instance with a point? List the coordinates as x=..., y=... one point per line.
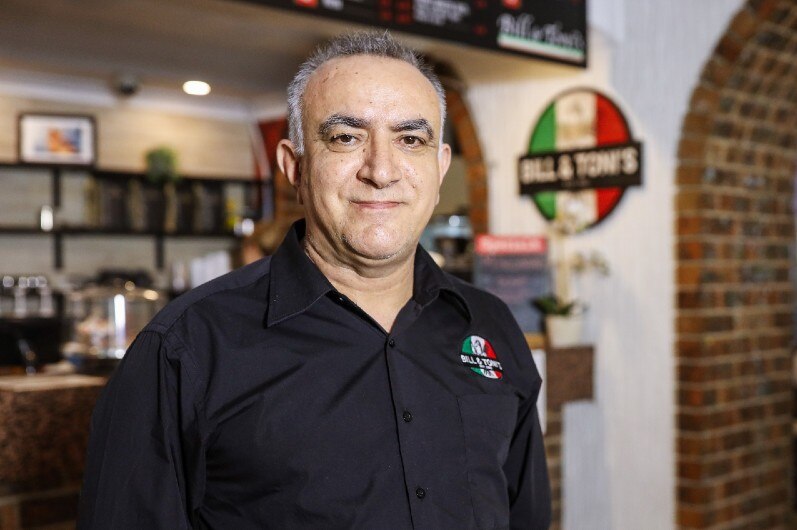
x=90, y=324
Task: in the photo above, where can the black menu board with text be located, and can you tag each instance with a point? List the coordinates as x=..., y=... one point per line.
x=554, y=30
x=515, y=269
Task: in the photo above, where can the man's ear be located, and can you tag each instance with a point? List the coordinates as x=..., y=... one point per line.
x=443, y=163
x=290, y=164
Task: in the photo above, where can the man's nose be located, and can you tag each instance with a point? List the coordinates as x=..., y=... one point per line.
x=379, y=167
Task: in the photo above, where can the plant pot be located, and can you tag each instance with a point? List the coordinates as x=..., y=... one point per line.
x=564, y=331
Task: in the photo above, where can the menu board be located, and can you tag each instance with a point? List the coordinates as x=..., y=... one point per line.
x=554, y=30
x=515, y=269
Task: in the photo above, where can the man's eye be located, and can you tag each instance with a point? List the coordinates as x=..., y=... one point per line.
x=412, y=141
x=345, y=139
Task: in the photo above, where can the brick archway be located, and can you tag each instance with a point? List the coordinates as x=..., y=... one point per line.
x=735, y=299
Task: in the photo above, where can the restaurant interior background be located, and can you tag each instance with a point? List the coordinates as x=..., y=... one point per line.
x=690, y=424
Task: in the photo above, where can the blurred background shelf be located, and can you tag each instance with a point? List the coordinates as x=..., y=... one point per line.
x=120, y=203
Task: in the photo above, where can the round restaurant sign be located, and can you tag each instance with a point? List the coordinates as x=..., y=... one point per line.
x=581, y=158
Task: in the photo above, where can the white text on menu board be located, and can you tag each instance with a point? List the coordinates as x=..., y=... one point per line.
x=335, y=5
x=440, y=12
x=524, y=26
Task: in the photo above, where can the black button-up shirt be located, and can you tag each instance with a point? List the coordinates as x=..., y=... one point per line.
x=267, y=399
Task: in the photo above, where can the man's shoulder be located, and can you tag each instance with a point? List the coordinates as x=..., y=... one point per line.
x=218, y=296
x=479, y=301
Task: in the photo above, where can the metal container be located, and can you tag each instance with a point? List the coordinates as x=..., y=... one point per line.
x=106, y=319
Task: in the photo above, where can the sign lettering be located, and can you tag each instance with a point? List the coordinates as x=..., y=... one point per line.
x=599, y=167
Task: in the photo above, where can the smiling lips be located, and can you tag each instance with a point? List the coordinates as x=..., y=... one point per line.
x=376, y=205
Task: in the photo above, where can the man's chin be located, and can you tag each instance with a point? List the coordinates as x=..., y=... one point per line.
x=380, y=252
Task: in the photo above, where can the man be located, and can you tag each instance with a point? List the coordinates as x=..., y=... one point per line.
x=346, y=381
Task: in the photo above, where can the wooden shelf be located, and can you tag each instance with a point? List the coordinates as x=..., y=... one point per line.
x=90, y=231
x=69, y=171
x=58, y=172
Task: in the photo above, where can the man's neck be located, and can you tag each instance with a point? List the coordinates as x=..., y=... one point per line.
x=379, y=291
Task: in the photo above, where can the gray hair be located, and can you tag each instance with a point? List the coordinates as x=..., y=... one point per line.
x=379, y=44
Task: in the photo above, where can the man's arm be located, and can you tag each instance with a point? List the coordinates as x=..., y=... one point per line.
x=527, y=472
x=526, y=469
x=140, y=470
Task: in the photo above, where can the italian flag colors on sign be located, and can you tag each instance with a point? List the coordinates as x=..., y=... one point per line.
x=579, y=119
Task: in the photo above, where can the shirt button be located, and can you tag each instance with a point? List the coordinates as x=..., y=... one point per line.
x=391, y=342
x=420, y=493
x=407, y=416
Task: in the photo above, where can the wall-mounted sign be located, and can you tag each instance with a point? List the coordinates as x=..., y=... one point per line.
x=581, y=159
x=554, y=30
x=515, y=269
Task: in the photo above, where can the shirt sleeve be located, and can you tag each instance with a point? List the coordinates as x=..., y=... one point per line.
x=526, y=468
x=527, y=472
x=144, y=458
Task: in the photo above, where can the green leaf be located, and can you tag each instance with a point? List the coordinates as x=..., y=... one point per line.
x=551, y=305
x=162, y=165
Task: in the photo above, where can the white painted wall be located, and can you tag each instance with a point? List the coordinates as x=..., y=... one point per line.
x=619, y=454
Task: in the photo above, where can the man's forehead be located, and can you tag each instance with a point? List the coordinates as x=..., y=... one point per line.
x=350, y=64
x=372, y=69
x=362, y=86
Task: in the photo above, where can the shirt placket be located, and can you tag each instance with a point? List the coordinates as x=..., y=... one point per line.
x=407, y=422
x=417, y=491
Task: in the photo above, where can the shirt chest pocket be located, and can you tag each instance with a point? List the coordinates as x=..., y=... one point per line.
x=488, y=422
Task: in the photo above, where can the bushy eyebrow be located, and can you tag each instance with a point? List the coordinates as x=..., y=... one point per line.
x=341, y=119
x=420, y=124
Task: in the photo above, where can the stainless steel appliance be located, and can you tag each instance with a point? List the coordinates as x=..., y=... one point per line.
x=106, y=319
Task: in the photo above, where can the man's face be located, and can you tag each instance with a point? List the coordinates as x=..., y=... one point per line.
x=373, y=163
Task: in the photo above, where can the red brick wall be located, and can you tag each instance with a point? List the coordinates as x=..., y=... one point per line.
x=735, y=298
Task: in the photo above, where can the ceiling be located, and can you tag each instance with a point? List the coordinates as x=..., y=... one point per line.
x=242, y=50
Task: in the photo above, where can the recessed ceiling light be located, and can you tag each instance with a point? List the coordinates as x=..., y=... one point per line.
x=196, y=88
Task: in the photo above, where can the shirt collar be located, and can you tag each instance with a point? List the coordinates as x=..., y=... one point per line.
x=296, y=283
x=430, y=281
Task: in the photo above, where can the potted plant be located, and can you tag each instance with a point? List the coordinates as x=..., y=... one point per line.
x=153, y=197
x=563, y=320
x=162, y=165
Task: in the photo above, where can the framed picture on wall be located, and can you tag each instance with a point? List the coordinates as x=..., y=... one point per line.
x=57, y=139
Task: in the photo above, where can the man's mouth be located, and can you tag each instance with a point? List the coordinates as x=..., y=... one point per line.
x=376, y=205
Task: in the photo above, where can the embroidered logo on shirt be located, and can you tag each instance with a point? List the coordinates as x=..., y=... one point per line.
x=478, y=354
